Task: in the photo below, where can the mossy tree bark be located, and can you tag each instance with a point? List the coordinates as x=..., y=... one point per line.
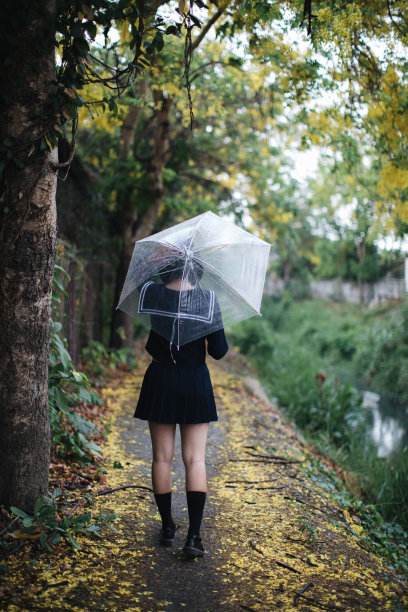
x=27, y=250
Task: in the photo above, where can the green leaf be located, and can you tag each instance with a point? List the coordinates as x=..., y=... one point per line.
x=19, y=512
x=56, y=493
x=92, y=447
x=65, y=357
x=113, y=106
x=71, y=109
x=58, y=284
x=60, y=399
x=158, y=41
x=81, y=46
x=77, y=30
x=38, y=504
x=61, y=269
x=73, y=541
x=194, y=19
x=84, y=395
x=90, y=27
x=56, y=326
x=172, y=29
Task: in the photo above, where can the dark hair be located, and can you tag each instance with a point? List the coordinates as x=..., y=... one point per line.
x=192, y=271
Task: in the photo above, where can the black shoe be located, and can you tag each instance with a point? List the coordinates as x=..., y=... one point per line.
x=193, y=546
x=167, y=535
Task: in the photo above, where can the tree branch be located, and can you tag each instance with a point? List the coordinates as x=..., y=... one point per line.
x=205, y=29
x=307, y=11
x=392, y=18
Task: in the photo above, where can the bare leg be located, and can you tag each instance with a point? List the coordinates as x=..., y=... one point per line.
x=162, y=435
x=193, y=443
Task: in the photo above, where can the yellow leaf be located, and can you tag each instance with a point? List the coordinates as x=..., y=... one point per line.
x=48, y=142
x=20, y=535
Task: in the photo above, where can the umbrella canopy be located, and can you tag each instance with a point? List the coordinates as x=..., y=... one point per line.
x=218, y=270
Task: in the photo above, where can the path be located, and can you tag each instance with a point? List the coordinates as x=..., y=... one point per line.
x=270, y=528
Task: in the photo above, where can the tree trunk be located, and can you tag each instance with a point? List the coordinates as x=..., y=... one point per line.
x=122, y=323
x=129, y=216
x=287, y=269
x=160, y=157
x=361, y=253
x=27, y=255
x=72, y=294
x=136, y=228
x=90, y=298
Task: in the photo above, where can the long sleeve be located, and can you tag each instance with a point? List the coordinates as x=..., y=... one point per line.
x=217, y=345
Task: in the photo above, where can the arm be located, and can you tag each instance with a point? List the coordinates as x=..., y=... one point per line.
x=217, y=345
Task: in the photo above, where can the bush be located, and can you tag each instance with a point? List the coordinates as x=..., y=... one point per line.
x=67, y=388
x=53, y=520
x=99, y=358
x=312, y=356
x=383, y=360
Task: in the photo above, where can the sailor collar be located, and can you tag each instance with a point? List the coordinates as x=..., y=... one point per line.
x=193, y=304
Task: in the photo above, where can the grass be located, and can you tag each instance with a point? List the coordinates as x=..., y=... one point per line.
x=313, y=357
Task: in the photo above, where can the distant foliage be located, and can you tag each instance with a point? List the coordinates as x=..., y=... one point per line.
x=315, y=402
x=383, y=361
x=339, y=259
x=312, y=357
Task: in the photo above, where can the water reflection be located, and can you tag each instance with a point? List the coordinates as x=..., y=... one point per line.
x=389, y=426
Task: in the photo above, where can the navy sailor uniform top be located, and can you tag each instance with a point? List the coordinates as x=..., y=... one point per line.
x=192, y=353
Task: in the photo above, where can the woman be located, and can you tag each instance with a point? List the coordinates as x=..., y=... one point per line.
x=177, y=389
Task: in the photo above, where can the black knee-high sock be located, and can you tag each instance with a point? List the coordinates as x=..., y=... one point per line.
x=163, y=501
x=195, y=505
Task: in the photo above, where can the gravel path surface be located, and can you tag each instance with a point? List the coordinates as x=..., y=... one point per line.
x=275, y=535
x=193, y=584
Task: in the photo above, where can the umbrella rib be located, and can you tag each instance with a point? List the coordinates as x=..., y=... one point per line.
x=194, y=232
x=206, y=265
x=233, y=289
x=235, y=244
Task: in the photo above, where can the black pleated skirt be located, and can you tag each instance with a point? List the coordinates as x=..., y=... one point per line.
x=176, y=394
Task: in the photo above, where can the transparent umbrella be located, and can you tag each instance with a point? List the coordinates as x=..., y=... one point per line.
x=219, y=271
